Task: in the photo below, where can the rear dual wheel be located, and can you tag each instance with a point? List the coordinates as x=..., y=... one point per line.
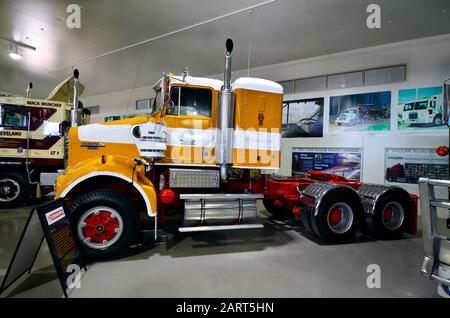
x=278, y=213
x=338, y=218
x=390, y=218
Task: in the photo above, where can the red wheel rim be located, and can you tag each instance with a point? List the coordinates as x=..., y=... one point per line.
x=388, y=214
x=335, y=216
x=100, y=227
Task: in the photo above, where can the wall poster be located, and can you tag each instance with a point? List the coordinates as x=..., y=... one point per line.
x=303, y=118
x=407, y=165
x=345, y=162
x=421, y=109
x=360, y=112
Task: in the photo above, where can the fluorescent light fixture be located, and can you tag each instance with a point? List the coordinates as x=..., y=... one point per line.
x=15, y=56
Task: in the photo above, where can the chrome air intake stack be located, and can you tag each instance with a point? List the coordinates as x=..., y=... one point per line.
x=74, y=114
x=29, y=88
x=224, y=151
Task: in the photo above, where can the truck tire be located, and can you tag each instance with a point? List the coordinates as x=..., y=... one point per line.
x=105, y=222
x=390, y=218
x=278, y=213
x=437, y=120
x=338, y=218
x=15, y=190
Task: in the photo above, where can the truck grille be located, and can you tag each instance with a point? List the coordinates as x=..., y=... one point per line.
x=413, y=116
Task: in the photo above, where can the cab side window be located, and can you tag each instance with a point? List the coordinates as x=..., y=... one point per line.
x=190, y=101
x=14, y=117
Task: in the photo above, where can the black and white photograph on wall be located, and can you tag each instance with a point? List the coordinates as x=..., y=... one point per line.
x=303, y=118
x=367, y=112
x=421, y=109
x=407, y=165
x=344, y=162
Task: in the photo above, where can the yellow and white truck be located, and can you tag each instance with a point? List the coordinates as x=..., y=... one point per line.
x=206, y=152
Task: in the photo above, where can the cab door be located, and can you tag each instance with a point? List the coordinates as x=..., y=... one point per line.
x=191, y=125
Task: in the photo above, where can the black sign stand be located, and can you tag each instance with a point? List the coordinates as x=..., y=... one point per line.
x=49, y=221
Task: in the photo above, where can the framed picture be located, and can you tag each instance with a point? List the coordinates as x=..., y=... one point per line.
x=421, y=109
x=407, y=165
x=367, y=112
x=303, y=118
x=345, y=162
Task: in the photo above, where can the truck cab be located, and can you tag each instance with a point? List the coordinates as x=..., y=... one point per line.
x=350, y=116
x=196, y=153
x=424, y=111
x=32, y=143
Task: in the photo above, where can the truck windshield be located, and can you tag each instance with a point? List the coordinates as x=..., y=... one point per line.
x=421, y=105
x=14, y=117
x=408, y=107
x=189, y=101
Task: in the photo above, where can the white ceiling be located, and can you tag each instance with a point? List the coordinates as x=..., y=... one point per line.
x=282, y=31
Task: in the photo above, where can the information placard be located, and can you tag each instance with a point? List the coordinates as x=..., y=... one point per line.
x=49, y=221
x=62, y=244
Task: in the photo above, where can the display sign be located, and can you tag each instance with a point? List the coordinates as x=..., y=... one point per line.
x=303, y=118
x=345, y=162
x=60, y=240
x=51, y=222
x=360, y=112
x=421, y=109
x=407, y=165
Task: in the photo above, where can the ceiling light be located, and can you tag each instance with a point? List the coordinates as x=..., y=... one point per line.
x=15, y=55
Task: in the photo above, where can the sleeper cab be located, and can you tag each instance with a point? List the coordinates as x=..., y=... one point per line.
x=257, y=123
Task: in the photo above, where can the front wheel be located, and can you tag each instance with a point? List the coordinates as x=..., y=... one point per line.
x=105, y=222
x=15, y=189
x=437, y=121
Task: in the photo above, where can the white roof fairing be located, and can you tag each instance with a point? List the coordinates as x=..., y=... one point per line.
x=198, y=81
x=257, y=84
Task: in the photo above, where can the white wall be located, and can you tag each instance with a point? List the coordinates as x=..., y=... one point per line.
x=428, y=63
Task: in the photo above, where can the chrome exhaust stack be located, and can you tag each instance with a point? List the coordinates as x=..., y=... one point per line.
x=224, y=150
x=74, y=114
x=29, y=88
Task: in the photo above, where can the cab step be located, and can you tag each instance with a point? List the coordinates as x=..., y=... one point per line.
x=220, y=228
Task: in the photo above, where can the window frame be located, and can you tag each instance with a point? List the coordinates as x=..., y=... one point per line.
x=179, y=86
x=14, y=107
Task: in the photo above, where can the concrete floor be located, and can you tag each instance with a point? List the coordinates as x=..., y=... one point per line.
x=276, y=261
